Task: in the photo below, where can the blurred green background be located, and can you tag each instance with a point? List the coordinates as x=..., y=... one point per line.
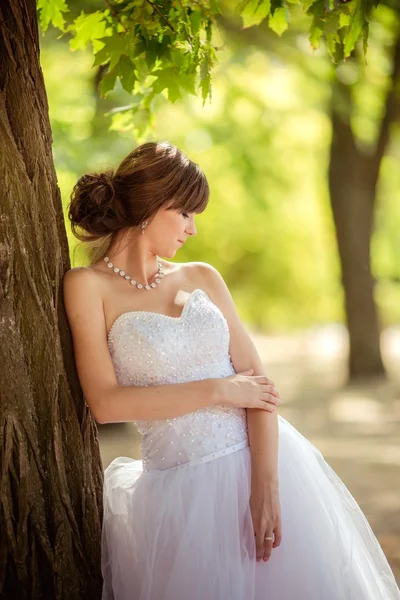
x=263, y=143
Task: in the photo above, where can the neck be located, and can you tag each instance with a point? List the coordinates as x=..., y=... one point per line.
x=134, y=257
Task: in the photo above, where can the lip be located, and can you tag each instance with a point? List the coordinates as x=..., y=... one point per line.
x=181, y=242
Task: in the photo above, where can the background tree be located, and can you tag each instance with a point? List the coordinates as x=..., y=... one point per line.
x=360, y=138
x=51, y=472
x=354, y=169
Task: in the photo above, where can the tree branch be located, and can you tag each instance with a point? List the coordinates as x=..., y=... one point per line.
x=115, y=15
x=161, y=15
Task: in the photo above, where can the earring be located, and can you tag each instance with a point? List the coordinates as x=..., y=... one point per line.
x=143, y=226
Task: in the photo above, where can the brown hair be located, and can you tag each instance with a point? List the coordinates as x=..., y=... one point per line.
x=151, y=176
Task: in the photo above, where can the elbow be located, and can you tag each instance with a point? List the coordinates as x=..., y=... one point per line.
x=100, y=420
x=98, y=414
x=98, y=410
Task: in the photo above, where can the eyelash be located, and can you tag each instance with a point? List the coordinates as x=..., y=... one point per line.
x=185, y=215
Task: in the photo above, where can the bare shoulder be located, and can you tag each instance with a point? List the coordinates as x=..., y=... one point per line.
x=79, y=275
x=81, y=280
x=82, y=293
x=207, y=277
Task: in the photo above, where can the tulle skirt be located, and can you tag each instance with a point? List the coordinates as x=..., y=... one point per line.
x=187, y=534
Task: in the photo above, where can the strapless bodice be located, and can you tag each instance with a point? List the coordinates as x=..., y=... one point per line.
x=150, y=348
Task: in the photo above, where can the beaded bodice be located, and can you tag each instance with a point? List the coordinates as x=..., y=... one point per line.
x=150, y=348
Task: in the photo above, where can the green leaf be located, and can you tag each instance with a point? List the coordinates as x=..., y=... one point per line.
x=174, y=92
x=254, y=12
x=188, y=83
x=365, y=38
x=279, y=21
x=209, y=31
x=133, y=4
x=331, y=32
x=155, y=50
x=113, y=48
x=317, y=9
x=316, y=29
x=107, y=83
x=357, y=24
x=166, y=79
x=140, y=48
x=205, y=86
x=334, y=46
x=195, y=21
x=51, y=12
x=152, y=51
x=122, y=121
x=126, y=73
x=101, y=57
x=344, y=19
x=241, y=6
x=205, y=78
x=87, y=28
x=307, y=4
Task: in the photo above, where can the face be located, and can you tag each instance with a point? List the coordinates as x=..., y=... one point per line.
x=169, y=230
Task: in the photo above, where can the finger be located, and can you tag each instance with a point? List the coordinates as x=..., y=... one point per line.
x=264, y=379
x=259, y=545
x=278, y=535
x=264, y=405
x=270, y=389
x=268, y=546
x=267, y=397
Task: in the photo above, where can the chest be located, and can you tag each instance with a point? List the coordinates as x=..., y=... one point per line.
x=155, y=348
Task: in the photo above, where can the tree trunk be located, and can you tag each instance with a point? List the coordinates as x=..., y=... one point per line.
x=51, y=474
x=353, y=178
x=352, y=198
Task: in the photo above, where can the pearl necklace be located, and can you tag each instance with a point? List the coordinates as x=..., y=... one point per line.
x=159, y=276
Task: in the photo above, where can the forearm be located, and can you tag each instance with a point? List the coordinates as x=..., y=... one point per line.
x=264, y=442
x=262, y=425
x=263, y=430
x=131, y=403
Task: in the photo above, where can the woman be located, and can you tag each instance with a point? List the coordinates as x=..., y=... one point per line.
x=216, y=509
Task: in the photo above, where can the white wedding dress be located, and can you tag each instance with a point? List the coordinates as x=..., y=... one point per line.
x=177, y=524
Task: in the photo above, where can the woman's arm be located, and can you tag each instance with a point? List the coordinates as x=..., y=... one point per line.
x=262, y=426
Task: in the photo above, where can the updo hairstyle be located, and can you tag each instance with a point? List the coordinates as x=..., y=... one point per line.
x=154, y=175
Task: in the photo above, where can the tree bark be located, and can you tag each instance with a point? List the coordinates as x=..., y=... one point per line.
x=51, y=474
x=352, y=201
x=353, y=178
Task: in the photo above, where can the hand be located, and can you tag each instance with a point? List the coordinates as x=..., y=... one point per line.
x=246, y=391
x=266, y=514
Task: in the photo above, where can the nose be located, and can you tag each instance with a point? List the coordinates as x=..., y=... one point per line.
x=191, y=228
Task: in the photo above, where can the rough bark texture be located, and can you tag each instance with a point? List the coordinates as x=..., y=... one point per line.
x=51, y=475
x=353, y=177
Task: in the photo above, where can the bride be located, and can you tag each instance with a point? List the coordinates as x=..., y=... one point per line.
x=229, y=501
